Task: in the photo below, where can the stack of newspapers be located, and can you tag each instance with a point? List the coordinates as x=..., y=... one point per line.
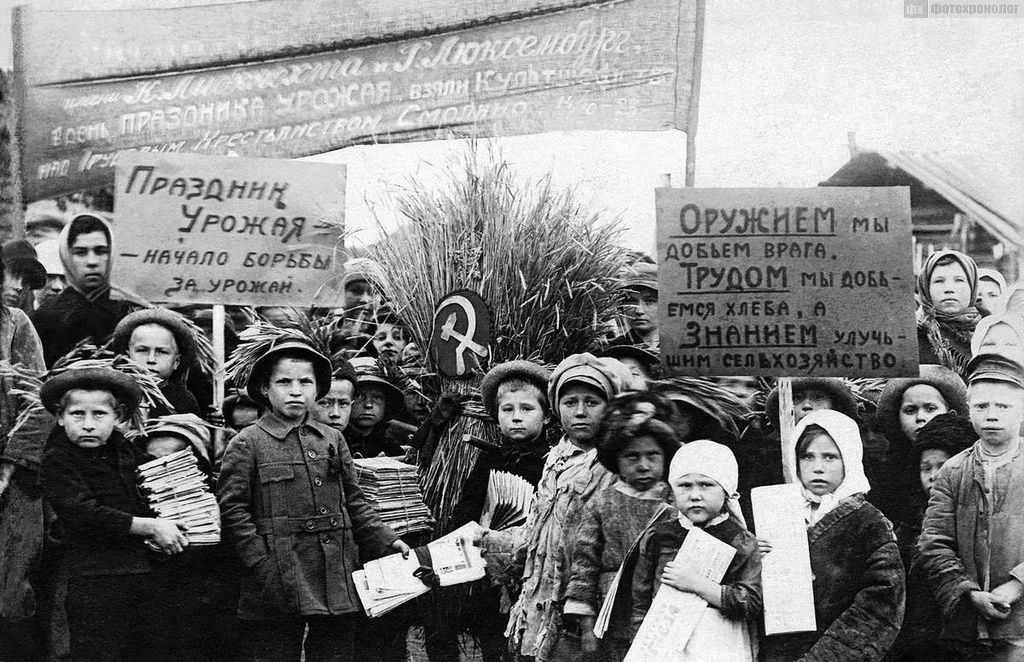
x=392, y=488
x=176, y=489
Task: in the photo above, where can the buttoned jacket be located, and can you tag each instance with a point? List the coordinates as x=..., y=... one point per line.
x=292, y=509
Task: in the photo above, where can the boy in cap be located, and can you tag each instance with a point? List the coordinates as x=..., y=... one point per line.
x=376, y=402
x=89, y=478
x=972, y=540
x=641, y=307
x=580, y=389
x=160, y=341
x=335, y=408
x=292, y=508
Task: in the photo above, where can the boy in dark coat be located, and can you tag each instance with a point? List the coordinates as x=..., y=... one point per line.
x=89, y=477
x=291, y=506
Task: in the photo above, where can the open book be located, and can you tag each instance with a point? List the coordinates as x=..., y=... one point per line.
x=507, y=502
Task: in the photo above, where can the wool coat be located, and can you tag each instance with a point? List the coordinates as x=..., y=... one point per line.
x=859, y=589
x=292, y=508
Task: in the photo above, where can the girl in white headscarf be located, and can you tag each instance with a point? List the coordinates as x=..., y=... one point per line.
x=703, y=476
x=859, y=586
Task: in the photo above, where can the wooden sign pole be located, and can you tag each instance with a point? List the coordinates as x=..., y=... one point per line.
x=218, y=372
x=786, y=423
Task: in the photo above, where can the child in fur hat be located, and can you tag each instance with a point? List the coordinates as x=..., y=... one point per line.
x=859, y=585
x=703, y=478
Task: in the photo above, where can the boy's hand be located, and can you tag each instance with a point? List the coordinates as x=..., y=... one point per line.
x=680, y=578
x=400, y=546
x=476, y=535
x=1009, y=592
x=989, y=605
x=168, y=535
x=763, y=546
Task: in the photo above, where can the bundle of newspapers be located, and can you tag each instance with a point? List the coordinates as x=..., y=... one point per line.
x=176, y=489
x=392, y=488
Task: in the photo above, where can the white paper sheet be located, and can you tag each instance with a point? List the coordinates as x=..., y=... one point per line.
x=786, y=579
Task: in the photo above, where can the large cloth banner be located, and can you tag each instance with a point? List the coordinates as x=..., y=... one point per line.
x=216, y=79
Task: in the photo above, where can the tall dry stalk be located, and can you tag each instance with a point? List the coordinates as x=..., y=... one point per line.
x=545, y=264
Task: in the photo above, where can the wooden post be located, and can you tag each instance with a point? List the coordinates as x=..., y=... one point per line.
x=218, y=372
x=786, y=423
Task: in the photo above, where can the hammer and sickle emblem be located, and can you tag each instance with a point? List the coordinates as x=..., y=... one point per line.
x=465, y=339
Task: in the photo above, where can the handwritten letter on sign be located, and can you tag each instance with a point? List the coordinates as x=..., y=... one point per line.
x=787, y=282
x=202, y=229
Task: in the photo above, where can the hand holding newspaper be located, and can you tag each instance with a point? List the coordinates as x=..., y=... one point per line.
x=673, y=615
x=390, y=581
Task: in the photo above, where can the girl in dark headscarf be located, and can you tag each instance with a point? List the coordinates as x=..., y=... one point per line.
x=946, y=289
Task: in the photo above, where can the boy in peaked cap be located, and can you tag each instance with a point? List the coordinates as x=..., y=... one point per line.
x=292, y=508
x=972, y=540
x=89, y=477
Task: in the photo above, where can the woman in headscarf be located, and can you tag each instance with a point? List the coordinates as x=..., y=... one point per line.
x=947, y=287
x=84, y=309
x=859, y=584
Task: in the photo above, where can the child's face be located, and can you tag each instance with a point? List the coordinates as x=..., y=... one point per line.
x=1000, y=338
x=291, y=388
x=820, y=466
x=389, y=340
x=997, y=412
x=368, y=407
x=153, y=347
x=949, y=288
x=700, y=498
x=808, y=400
x=520, y=415
x=161, y=445
x=921, y=403
x=335, y=408
x=641, y=464
x=580, y=408
x=642, y=310
x=990, y=297
x=89, y=417
x=932, y=460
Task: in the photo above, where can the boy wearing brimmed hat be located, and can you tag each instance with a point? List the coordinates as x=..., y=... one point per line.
x=89, y=477
x=160, y=341
x=972, y=540
x=376, y=401
x=292, y=508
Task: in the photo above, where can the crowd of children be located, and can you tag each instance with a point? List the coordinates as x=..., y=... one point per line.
x=912, y=489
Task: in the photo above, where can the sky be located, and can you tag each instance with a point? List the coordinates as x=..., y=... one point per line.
x=783, y=83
